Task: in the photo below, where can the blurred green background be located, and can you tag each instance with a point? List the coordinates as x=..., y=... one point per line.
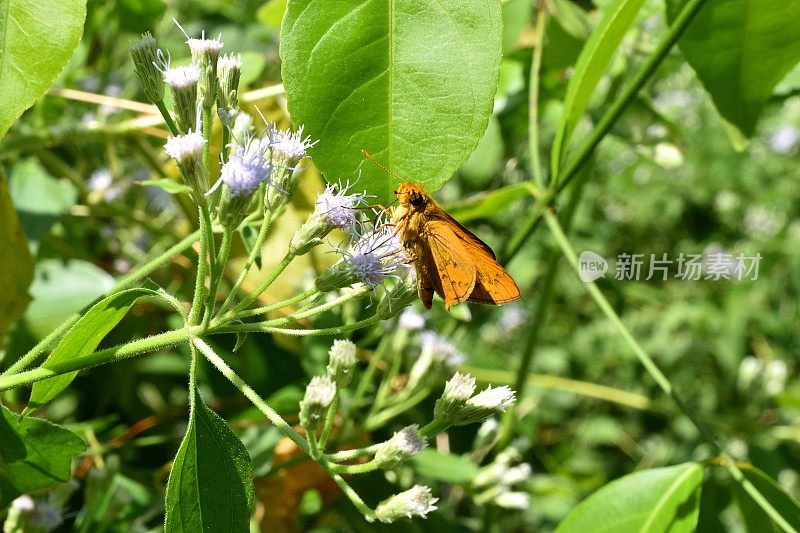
x=667, y=181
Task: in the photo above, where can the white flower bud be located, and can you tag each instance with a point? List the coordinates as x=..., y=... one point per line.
x=205, y=53
x=403, y=445
x=456, y=393
x=485, y=404
x=416, y=501
x=318, y=397
x=182, y=82
x=187, y=150
x=144, y=53
x=342, y=362
x=513, y=500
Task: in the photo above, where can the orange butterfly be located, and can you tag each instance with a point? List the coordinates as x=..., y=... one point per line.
x=449, y=259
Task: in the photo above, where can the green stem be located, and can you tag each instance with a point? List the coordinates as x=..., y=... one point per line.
x=251, y=259
x=329, y=416
x=540, y=314
x=202, y=267
x=433, y=428
x=349, y=455
x=100, y=357
x=208, y=116
x=255, y=327
x=362, y=468
x=167, y=118
x=660, y=378
x=379, y=419
x=250, y=394
x=123, y=283
x=279, y=268
x=282, y=425
x=400, y=338
x=217, y=272
x=366, y=378
x=533, y=96
x=628, y=96
x=313, y=445
x=278, y=305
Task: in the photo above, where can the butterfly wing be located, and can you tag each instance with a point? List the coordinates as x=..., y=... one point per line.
x=493, y=285
x=443, y=265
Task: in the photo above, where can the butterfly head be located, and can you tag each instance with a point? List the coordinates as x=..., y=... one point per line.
x=412, y=196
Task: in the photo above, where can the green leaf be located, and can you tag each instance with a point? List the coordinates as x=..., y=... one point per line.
x=172, y=187
x=444, y=467
x=210, y=485
x=34, y=454
x=655, y=500
x=411, y=81
x=740, y=50
x=36, y=41
x=486, y=205
x=754, y=517
x=61, y=288
x=39, y=199
x=592, y=63
x=83, y=339
x=16, y=263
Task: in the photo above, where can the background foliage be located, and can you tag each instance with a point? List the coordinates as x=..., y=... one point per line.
x=671, y=177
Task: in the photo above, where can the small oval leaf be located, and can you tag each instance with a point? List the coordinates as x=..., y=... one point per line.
x=655, y=500
x=410, y=81
x=36, y=41
x=210, y=485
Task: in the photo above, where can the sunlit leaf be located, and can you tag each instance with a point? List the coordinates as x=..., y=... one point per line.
x=36, y=41
x=411, y=81
x=211, y=482
x=655, y=500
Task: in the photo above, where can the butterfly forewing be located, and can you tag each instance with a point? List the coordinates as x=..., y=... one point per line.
x=453, y=275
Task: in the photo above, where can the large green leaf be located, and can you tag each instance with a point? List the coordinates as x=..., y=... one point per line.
x=36, y=41
x=411, y=81
x=741, y=49
x=61, y=288
x=651, y=501
x=34, y=454
x=16, y=263
x=39, y=198
x=83, y=339
x=210, y=485
x=754, y=517
x=592, y=63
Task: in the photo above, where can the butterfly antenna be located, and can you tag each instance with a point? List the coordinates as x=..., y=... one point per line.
x=381, y=166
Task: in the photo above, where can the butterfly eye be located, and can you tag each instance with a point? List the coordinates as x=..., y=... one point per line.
x=417, y=201
x=394, y=192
